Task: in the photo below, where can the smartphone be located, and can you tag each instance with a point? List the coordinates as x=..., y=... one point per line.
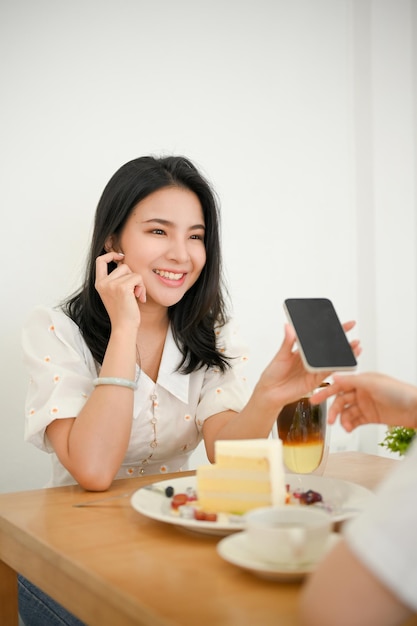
x=321, y=340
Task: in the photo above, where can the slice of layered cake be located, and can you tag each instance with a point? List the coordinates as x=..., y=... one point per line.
x=247, y=474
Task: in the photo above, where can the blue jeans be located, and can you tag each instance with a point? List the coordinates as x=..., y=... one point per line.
x=38, y=609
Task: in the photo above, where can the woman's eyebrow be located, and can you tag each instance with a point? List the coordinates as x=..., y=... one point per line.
x=164, y=222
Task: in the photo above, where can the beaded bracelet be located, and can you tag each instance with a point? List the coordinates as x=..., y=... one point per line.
x=119, y=382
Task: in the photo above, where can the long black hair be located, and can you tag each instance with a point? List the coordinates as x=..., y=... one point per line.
x=194, y=318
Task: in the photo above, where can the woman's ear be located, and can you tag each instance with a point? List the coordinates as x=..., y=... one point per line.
x=109, y=243
x=112, y=244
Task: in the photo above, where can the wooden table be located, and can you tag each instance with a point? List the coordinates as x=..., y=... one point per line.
x=112, y=566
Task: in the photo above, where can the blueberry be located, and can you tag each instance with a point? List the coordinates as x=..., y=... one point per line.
x=169, y=492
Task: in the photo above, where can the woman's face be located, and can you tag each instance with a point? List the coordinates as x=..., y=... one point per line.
x=163, y=241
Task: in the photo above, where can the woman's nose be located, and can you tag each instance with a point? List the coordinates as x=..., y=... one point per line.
x=178, y=251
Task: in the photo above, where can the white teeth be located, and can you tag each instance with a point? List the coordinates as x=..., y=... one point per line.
x=169, y=275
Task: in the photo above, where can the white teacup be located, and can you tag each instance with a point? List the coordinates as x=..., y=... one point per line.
x=288, y=535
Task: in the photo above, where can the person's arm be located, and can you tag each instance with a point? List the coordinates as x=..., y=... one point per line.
x=283, y=381
x=370, y=398
x=92, y=445
x=343, y=592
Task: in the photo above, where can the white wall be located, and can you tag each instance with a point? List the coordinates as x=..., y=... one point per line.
x=385, y=105
x=301, y=113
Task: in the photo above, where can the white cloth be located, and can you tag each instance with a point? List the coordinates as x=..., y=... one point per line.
x=62, y=370
x=383, y=536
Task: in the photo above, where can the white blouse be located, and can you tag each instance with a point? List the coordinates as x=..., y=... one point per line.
x=168, y=415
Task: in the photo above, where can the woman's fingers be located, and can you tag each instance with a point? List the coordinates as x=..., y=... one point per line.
x=103, y=261
x=356, y=347
x=347, y=326
x=289, y=338
x=344, y=401
x=323, y=394
x=122, y=274
x=122, y=278
x=351, y=417
x=140, y=292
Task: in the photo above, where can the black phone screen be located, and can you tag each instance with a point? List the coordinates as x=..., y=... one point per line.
x=320, y=336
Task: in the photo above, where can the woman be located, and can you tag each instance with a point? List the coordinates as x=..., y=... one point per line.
x=139, y=366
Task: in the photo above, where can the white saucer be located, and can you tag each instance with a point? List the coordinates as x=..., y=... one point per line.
x=235, y=550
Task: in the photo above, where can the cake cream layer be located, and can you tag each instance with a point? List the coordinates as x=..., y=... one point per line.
x=230, y=481
x=243, y=463
x=250, y=448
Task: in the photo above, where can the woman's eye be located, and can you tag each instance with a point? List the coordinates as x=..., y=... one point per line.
x=158, y=231
x=198, y=237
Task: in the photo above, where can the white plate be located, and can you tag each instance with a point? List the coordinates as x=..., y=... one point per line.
x=151, y=502
x=235, y=550
x=341, y=498
x=345, y=498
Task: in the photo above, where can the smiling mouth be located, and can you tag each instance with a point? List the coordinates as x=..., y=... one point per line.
x=169, y=275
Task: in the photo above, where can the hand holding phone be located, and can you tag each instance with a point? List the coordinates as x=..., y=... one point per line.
x=321, y=339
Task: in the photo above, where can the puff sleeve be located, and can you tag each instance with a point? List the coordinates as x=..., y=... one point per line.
x=229, y=390
x=61, y=370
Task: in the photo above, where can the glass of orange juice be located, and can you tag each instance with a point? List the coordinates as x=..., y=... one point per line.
x=302, y=430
